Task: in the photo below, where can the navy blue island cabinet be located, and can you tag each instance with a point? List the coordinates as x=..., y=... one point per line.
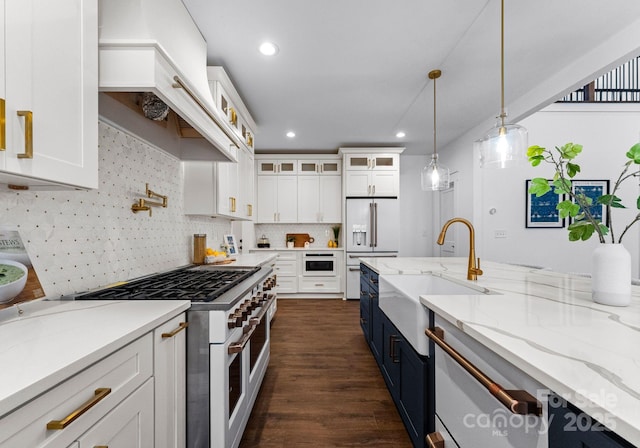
x=408, y=375
x=571, y=428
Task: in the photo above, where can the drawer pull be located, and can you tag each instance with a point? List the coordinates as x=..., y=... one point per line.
x=3, y=125
x=101, y=446
x=517, y=401
x=435, y=440
x=28, y=134
x=61, y=424
x=181, y=326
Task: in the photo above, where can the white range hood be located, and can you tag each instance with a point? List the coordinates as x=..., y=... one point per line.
x=154, y=46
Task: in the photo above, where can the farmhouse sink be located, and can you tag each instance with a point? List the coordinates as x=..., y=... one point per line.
x=399, y=299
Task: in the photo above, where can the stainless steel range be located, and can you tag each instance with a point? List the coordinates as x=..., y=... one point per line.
x=228, y=342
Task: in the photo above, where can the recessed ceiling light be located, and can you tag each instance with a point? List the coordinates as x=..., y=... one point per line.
x=268, y=48
x=291, y=134
x=400, y=134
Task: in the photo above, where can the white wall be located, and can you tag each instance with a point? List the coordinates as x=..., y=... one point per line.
x=416, y=210
x=79, y=240
x=606, y=131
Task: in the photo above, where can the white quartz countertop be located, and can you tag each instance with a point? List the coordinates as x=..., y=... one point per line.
x=52, y=340
x=298, y=249
x=252, y=259
x=546, y=324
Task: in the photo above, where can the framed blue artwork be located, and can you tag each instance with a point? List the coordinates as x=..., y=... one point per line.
x=593, y=189
x=541, y=211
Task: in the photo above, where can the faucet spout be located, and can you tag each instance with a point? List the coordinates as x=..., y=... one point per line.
x=473, y=269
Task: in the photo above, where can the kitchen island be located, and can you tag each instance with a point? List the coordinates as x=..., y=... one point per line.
x=546, y=325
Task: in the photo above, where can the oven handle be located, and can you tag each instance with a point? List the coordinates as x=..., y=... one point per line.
x=237, y=347
x=517, y=401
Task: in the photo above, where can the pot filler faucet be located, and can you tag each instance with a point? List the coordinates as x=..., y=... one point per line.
x=472, y=271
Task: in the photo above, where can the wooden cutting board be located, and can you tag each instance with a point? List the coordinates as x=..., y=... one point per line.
x=300, y=239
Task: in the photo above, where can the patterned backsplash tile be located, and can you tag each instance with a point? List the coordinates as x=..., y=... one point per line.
x=81, y=240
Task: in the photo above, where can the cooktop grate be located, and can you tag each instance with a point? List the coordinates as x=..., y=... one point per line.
x=181, y=284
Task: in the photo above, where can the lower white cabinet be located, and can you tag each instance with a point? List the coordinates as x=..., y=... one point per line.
x=120, y=401
x=169, y=363
x=129, y=425
x=319, y=284
x=286, y=270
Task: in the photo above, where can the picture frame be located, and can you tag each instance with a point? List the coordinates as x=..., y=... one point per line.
x=541, y=211
x=232, y=247
x=593, y=189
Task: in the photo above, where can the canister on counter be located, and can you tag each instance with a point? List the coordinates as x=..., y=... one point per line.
x=199, y=247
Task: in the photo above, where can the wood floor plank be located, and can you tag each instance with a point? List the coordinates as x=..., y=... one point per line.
x=323, y=387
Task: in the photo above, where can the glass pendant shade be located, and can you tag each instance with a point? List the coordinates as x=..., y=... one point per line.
x=504, y=146
x=435, y=177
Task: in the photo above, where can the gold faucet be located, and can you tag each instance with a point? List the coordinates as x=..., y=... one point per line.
x=472, y=271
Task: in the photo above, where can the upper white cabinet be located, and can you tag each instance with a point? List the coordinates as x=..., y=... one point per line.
x=277, y=199
x=371, y=172
x=320, y=167
x=319, y=199
x=220, y=188
x=50, y=92
x=268, y=166
x=231, y=107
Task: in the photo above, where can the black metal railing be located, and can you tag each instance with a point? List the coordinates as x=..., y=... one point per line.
x=620, y=85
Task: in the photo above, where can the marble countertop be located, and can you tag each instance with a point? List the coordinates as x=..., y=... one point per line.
x=546, y=324
x=45, y=342
x=298, y=249
x=252, y=259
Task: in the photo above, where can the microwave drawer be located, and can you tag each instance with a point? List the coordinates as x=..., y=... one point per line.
x=319, y=284
x=471, y=414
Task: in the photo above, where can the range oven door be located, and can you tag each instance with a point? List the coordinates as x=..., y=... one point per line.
x=247, y=358
x=319, y=264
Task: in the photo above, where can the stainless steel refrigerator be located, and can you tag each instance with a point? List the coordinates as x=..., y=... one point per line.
x=372, y=230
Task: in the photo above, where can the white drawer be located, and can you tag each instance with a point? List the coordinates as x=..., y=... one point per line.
x=470, y=413
x=130, y=424
x=319, y=284
x=286, y=284
x=122, y=372
x=286, y=267
x=287, y=256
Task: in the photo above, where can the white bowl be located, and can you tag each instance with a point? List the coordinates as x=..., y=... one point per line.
x=11, y=290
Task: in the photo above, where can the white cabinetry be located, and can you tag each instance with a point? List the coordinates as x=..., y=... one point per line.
x=60, y=416
x=170, y=341
x=277, y=166
x=219, y=188
x=50, y=93
x=319, y=199
x=327, y=167
x=371, y=173
x=277, y=199
x=133, y=397
x=286, y=270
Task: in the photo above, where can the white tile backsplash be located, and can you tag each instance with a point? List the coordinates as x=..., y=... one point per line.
x=80, y=240
x=277, y=233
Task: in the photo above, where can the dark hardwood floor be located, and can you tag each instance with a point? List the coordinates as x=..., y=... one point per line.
x=323, y=387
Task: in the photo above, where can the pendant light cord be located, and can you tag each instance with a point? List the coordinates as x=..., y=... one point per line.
x=503, y=115
x=434, y=74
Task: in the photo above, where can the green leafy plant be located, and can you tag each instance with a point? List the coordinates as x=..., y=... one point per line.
x=579, y=206
x=336, y=232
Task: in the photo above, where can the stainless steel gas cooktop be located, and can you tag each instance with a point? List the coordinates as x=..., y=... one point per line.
x=197, y=284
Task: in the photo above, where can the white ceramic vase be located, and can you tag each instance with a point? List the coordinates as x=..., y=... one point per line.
x=611, y=275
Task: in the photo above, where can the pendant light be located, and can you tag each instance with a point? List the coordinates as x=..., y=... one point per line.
x=435, y=177
x=505, y=144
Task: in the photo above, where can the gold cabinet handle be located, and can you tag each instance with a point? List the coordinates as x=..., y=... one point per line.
x=435, y=440
x=517, y=401
x=101, y=446
x=233, y=116
x=100, y=394
x=181, y=326
x=249, y=210
x=3, y=126
x=28, y=134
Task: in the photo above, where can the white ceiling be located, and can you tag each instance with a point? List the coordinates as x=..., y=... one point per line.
x=353, y=72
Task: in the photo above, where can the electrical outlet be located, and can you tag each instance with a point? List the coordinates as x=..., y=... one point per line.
x=499, y=233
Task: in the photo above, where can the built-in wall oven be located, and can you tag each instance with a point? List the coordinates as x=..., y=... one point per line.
x=324, y=264
x=228, y=342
